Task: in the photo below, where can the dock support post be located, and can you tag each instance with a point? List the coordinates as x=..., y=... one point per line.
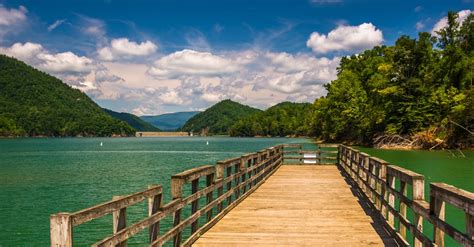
x=437, y=208
x=209, y=182
x=418, y=194
x=194, y=204
x=61, y=230
x=154, y=204
x=391, y=200
x=220, y=190
x=403, y=210
x=119, y=219
x=177, y=193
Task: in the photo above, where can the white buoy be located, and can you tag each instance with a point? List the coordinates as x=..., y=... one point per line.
x=207, y=142
x=101, y=144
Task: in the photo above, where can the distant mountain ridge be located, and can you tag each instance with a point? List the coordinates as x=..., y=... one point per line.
x=132, y=120
x=170, y=121
x=218, y=118
x=33, y=103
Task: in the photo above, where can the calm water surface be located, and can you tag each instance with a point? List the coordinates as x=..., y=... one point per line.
x=39, y=177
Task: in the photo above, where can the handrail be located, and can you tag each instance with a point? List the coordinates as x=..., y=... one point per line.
x=233, y=180
x=295, y=154
x=376, y=179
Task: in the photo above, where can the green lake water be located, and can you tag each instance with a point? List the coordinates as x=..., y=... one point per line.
x=39, y=177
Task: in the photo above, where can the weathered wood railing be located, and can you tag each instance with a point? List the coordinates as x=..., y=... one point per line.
x=232, y=180
x=377, y=181
x=325, y=154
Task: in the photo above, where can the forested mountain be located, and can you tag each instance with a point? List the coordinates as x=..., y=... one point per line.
x=282, y=119
x=219, y=118
x=170, y=121
x=420, y=90
x=33, y=103
x=132, y=120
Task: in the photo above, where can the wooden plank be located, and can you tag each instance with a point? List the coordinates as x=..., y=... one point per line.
x=403, y=174
x=457, y=197
x=303, y=205
x=100, y=210
x=192, y=174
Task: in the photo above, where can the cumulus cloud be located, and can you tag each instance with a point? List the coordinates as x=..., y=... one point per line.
x=346, y=38
x=12, y=16
x=190, y=63
x=188, y=79
x=11, y=20
x=65, y=62
x=24, y=51
x=55, y=63
x=443, y=22
x=123, y=48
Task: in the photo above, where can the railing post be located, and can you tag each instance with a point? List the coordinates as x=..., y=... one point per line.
x=366, y=168
x=209, y=182
x=219, y=177
x=61, y=230
x=119, y=218
x=437, y=208
x=243, y=168
x=177, y=193
x=380, y=188
x=418, y=194
x=403, y=210
x=237, y=180
x=229, y=184
x=470, y=226
x=154, y=204
x=194, y=204
x=391, y=200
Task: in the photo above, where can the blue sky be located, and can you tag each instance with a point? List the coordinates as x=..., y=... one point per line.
x=150, y=57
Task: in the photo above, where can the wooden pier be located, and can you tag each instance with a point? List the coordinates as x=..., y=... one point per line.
x=286, y=196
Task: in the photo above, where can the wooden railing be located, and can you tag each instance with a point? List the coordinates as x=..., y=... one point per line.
x=325, y=154
x=377, y=180
x=232, y=180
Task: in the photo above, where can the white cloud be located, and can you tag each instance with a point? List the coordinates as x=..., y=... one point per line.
x=443, y=22
x=120, y=48
x=55, y=25
x=190, y=62
x=26, y=52
x=65, y=62
x=12, y=16
x=420, y=26
x=93, y=27
x=346, y=38
x=55, y=63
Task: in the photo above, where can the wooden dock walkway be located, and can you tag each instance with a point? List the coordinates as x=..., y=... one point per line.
x=325, y=197
x=303, y=205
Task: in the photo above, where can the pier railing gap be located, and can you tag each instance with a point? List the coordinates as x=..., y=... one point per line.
x=215, y=190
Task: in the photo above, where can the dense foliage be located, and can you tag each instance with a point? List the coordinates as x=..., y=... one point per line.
x=170, y=121
x=417, y=85
x=219, y=118
x=132, y=120
x=283, y=119
x=33, y=103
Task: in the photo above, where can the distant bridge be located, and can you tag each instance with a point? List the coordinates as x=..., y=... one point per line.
x=286, y=196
